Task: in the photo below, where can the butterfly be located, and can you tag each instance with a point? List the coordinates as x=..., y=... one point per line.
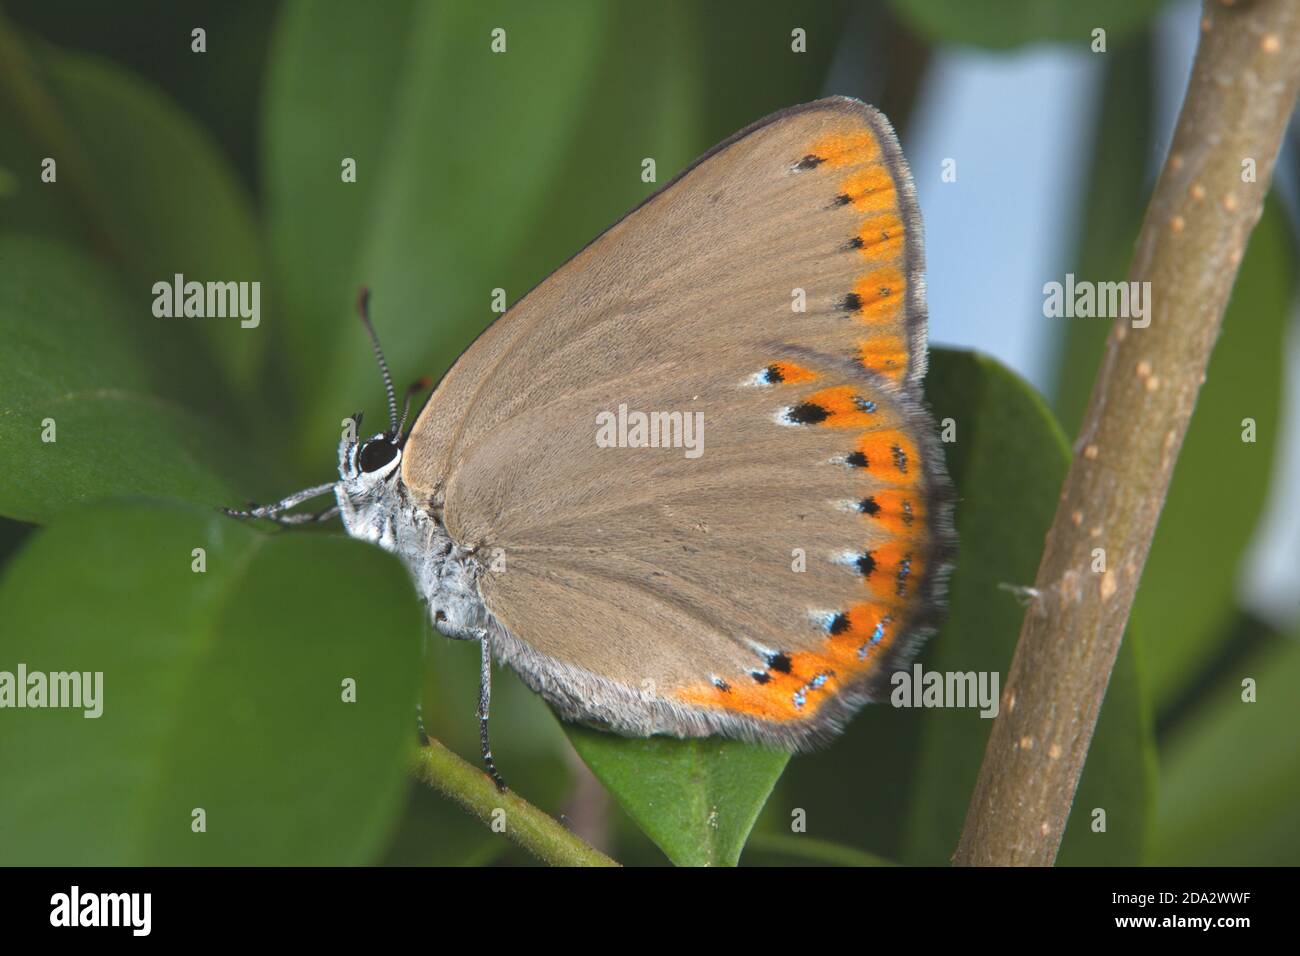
x=688, y=485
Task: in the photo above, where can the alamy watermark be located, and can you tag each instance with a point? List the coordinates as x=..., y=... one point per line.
x=75, y=908
x=1082, y=299
x=921, y=688
x=76, y=690
x=633, y=429
x=209, y=300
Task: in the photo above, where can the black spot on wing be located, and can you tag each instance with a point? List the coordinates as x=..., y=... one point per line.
x=779, y=661
x=807, y=413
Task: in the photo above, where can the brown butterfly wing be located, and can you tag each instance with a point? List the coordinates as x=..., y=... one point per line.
x=744, y=220
x=765, y=587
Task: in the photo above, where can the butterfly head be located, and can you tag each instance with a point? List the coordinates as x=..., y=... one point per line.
x=367, y=465
x=369, y=488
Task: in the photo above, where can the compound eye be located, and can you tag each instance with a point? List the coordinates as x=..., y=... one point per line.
x=375, y=454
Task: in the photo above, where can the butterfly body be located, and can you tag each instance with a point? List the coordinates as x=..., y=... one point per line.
x=377, y=507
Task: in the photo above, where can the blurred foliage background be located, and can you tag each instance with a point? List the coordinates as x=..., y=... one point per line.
x=478, y=171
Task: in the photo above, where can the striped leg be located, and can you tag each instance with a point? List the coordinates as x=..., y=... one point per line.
x=484, y=697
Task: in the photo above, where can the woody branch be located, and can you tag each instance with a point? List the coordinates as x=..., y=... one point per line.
x=1240, y=96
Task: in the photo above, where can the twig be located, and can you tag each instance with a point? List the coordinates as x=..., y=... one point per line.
x=521, y=822
x=1240, y=95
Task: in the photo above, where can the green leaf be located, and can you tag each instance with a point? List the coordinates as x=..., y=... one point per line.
x=1230, y=775
x=697, y=799
x=69, y=359
x=1011, y=23
x=139, y=180
x=219, y=88
x=1007, y=462
x=221, y=690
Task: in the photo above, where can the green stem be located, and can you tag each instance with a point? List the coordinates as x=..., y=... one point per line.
x=524, y=824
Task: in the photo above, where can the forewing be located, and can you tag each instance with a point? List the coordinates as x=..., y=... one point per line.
x=802, y=228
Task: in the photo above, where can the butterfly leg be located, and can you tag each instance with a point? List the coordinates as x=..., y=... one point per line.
x=484, y=696
x=305, y=517
x=275, y=512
